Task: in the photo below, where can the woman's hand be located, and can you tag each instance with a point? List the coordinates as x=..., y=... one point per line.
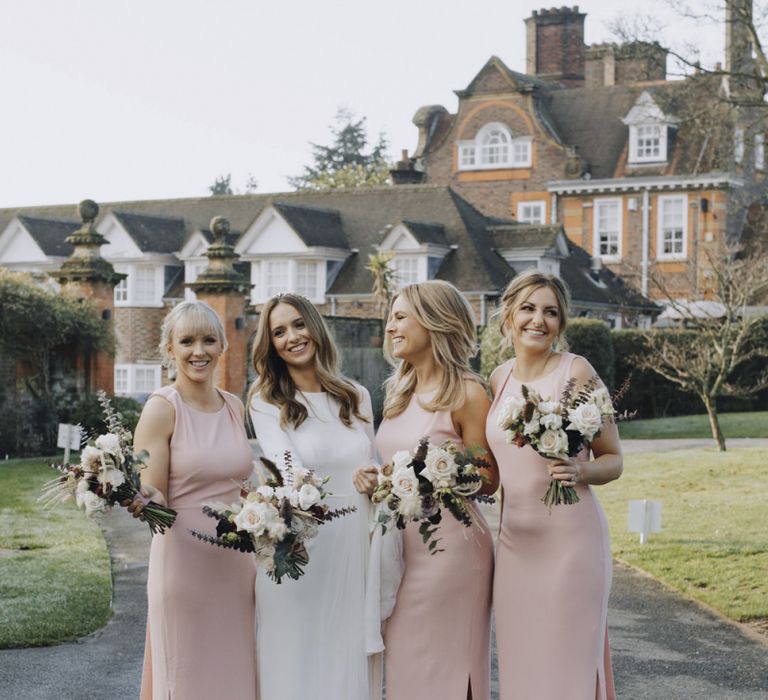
x=365, y=479
x=565, y=471
x=146, y=494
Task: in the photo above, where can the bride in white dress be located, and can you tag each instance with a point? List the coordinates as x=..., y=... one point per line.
x=310, y=632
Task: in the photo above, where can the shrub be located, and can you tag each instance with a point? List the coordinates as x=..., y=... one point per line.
x=591, y=339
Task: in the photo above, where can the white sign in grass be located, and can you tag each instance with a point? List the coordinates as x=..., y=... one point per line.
x=644, y=517
x=69, y=438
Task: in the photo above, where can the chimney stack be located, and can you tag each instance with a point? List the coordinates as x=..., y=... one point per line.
x=555, y=45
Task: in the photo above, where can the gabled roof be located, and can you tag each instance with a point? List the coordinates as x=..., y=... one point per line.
x=317, y=227
x=602, y=287
x=427, y=232
x=153, y=234
x=50, y=234
x=496, y=77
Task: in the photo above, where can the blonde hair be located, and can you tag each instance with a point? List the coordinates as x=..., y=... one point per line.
x=196, y=317
x=450, y=322
x=520, y=288
x=273, y=381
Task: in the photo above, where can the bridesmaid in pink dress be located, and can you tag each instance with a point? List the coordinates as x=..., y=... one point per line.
x=553, y=570
x=437, y=640
x=201, y=641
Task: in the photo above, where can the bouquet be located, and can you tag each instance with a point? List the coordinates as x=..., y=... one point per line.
x=558, y=430
x=108, y=474
x=274, y=521
x=415, y=488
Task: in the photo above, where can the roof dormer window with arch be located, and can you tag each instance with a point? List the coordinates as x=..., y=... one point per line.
x=495, y=147
x=649, y=131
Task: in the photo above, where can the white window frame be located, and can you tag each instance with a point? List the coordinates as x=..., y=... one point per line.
x=738, y=145
x=599, y=204
x=129, y=293
x=636, y=140
x=662, y=203
x=412, y=275
x=760, y=151
x=126, y=378
x=260, y=271
x=539, y=219
x=495, y=148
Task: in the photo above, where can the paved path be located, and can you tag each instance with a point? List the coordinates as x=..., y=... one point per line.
x=664, y=646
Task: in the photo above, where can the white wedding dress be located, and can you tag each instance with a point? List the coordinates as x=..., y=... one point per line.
x=310, y=632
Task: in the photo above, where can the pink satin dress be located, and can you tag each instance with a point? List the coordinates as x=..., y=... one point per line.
x=437, y=640
x=553, y=572
x=201, y=640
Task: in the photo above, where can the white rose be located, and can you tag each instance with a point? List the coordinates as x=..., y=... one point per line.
x=109, y=443
x=440, y=468
x=405, y=483
x=289, y=493
x=89, y=501
x=410, y=506
x=300, y=475
x=602, y=400
x=401, y=459
x=554, y=443
x=551, y=421
x=254, y=517
x=266, y=492
x=110, y=475
x=547, y=406
x=510, y=411
x=308, y=496
x=586, y=419
x=91, y=458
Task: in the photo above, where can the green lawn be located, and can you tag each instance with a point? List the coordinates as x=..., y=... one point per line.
x=55, y=578
x=714, y=541
x=754, y=425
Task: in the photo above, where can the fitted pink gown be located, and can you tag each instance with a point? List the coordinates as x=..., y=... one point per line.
x=201, y=641
x=553, y=572
x=437, y=640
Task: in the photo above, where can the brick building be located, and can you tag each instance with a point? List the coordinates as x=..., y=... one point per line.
x=650, y=176
x=313, y=243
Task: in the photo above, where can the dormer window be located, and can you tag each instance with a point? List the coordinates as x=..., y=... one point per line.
x=495, y=147
x=648, y=131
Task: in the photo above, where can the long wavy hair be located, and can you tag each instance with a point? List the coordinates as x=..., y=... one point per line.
x=450, y=322
x=194, y=317
x=519, y=289
x=273, y=380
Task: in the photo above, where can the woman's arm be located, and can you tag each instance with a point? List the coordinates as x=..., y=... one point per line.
x=469, y=423
x=153, y=434
x=366, y=477
x=273, y=440
x=608, y=462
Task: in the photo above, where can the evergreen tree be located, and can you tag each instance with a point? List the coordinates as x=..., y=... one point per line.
x=345, y=163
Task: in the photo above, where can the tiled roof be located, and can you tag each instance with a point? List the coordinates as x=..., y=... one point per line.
x=427, y=232
x=356, y=219
x=315, y=226
x=153, y=234
x=50, y=234
x=511, y=236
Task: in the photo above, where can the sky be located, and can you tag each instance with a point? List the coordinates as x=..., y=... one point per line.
x=118, y=100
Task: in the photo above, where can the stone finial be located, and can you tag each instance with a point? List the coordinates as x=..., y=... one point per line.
x=219, y=226
x=88, y=210
x=220, y=277
x=86, y=264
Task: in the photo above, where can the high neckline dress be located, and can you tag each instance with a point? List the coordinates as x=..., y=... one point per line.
x=200, y=637
x=311, y=632
x=553, y=571
x=437, y=640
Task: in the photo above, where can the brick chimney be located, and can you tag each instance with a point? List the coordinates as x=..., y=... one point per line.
x=405, y=172
x=555, y=45
x=739, y=63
